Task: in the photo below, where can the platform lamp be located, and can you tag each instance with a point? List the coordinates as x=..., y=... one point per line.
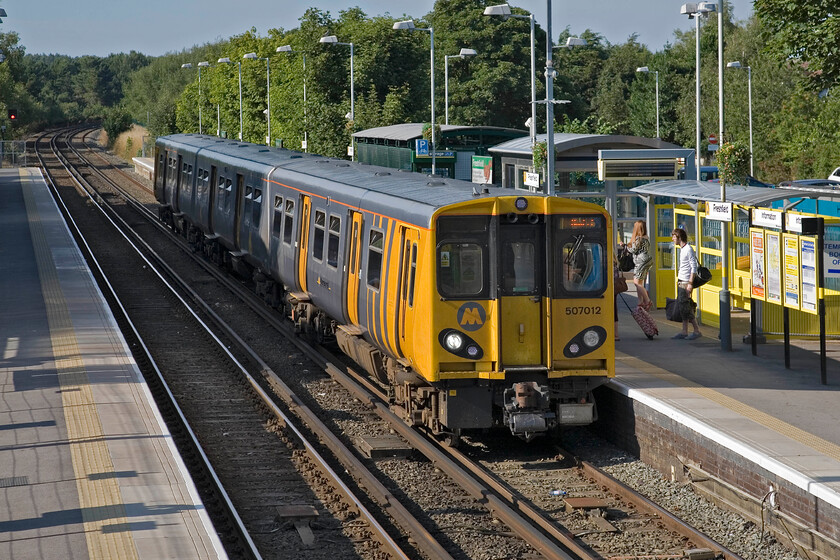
x=463, y=54
x=253, y=56
x=227, y=60
x=737, y=65
x=503, y=11
x=408, y=25
x=333, y=40
x=188, y=65
x=646, y=70
x=288, y=49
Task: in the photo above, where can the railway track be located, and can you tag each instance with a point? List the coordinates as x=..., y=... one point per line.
x=537, y=524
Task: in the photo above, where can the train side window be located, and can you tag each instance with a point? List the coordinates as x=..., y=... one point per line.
x=257, y=209
x=412, y=274
x=287, y=225
x=228, y=190
x=318, y=240
x=277, y=225
x=246, y=208
x=332, y=244
x=374, y=268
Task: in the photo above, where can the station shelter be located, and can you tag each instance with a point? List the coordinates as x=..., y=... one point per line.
x=681, y=203
x=395, y=146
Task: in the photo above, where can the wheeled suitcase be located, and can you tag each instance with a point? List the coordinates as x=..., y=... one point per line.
x=643, y=318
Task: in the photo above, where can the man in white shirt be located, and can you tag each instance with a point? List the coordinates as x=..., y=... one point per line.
x=685, y=276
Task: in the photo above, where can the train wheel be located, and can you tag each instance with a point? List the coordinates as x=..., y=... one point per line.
x=452, y=439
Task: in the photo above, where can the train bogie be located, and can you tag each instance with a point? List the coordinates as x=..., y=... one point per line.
x=477, y=310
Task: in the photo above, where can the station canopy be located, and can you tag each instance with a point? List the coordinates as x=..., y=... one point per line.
x=707, y=191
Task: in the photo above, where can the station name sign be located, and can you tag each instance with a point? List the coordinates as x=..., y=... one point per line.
x=720, y=211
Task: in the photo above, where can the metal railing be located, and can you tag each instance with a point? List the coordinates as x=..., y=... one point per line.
x=13, y=153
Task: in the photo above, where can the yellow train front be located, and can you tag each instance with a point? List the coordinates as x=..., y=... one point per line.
x=503, y=315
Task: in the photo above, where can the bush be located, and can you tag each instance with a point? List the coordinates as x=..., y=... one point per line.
x=117, y=121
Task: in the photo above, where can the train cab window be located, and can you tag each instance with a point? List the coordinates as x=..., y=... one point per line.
x=580, y=260
x=463, y=256
x=332, y=243
x=277, y=224
x=318, y=239
x=374, y=266
x=287, y=225
x=256, y=211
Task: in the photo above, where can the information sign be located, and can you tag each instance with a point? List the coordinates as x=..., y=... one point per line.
x=831, y=259
x=482, y=169
x=793, y=222
x=757, y=261
x=790, y=243
x=773, y=262
x=767, y=218
x=808, y=256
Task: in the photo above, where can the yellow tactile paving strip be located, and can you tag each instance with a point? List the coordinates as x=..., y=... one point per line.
x=816, y=443
x=100, y=498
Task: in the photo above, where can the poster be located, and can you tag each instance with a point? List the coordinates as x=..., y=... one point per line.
x=482, y=169
x=791, y=269
x=808, y=256
x=757, y=263
x=773, y=261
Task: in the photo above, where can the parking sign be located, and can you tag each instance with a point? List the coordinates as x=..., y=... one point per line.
x=421, y=147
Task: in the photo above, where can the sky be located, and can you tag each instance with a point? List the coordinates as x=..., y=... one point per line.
x=156, y=27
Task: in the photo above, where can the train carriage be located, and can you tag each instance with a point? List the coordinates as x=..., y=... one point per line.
x=478, y=308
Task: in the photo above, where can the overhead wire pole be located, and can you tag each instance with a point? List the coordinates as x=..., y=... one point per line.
x=549, y=103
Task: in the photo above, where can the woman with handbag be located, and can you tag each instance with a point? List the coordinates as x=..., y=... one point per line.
x=639, y=247
x=685, y=276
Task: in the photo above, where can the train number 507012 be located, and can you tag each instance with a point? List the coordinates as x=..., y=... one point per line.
x=584, y=310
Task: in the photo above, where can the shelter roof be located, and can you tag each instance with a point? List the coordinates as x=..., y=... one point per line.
x=411, y=131
x=564, y=142
x=706, y=190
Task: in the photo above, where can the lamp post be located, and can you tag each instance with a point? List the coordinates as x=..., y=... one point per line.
x=645, y=70
x=226, y=60
x=253, y=56
x=463, y=54
x=694, y=11
x=333, y=40
x=200, y=66
x=408, y=25
x=288, y=49
x=725, y=307
x=503, y=10
x=737, y=65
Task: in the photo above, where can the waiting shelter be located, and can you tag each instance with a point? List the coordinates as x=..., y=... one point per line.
x=681, y=203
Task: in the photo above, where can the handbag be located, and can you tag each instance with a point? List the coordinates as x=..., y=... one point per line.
x=672, y=310
x=702, y=276
x=625, y=262
x=620, y=284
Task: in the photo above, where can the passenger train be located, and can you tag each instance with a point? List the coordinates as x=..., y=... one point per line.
x=476, y=306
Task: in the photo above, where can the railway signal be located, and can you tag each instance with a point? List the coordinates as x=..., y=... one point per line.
x=13, y=114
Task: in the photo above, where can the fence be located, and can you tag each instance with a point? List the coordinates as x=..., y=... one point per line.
x=13, y=153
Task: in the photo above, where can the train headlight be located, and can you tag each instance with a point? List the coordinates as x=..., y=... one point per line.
x=453, y=341
x=591, y=338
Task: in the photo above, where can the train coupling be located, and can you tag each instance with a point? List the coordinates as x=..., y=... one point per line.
x=527, y=410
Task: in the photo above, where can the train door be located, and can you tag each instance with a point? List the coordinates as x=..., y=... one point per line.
x=211, y=198
x=353, y=268
x=409, y=239
x=521, y=303
x=177, y=193
x=303, y=248
x=160, y=173
x=238, y=210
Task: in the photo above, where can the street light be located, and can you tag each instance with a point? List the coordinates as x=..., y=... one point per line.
x=694, y=11
x=188, y=65
x=737, y=66
x=550, y=74
x=463, y=54
x=226, y=60
x=333, y=40
x=645, y=70
x=253, y=56
x=503, y=10
x=408, y=25
x=288, y=49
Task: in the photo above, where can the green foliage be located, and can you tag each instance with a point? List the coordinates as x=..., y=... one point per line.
x=117, y=120
x=539, y=153
x=427, y=132
x=733, y=161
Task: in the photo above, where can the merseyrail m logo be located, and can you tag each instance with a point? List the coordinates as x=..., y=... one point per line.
x=471, y=316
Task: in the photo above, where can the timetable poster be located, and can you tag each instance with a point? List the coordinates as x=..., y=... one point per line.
x=757, y=262
x=773, y=259
x=791, y=269
x=808, y=254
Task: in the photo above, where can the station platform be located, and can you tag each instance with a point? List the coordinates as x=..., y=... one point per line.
x=772, y=432
x=88, y=468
